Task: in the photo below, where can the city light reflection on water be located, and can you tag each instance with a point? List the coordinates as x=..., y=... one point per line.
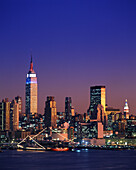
x=78, y=151
x=80, y=159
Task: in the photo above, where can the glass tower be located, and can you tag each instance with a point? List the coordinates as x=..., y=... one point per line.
x=50, y=112
x=68, y=106
x=31, y=91
x=97, y=96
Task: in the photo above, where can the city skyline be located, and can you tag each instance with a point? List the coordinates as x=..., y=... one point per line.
x=32, y=75
x=68, y=86
x=93, y=46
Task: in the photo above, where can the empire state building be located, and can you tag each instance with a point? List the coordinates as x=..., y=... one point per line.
x=31, y=91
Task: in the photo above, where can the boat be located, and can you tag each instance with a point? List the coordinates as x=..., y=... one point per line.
x=33, y=147
x=59, y=149
x=28, y=148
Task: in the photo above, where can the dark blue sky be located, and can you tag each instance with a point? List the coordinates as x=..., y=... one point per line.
x=75, y=44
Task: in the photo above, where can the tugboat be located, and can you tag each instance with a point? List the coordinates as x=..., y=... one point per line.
x=60, y=146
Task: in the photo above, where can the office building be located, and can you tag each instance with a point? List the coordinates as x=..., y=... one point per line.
x=60, y=119
x=50, y=112
x=14, y=116
x=19, y=101
x=5, y=115
x=100, y=113
x=97, y=96
x=109, y=110
x=93, y=129
x=32, y=122
x=101, y=116
x=68, y=106
x=72, y=111
x=131, y=128
x=31, y=91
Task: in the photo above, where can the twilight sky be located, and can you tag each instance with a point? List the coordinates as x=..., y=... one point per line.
x=75, y=44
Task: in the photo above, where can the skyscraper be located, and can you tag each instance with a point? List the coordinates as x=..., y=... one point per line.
x=5, y=115
x=19, y=101
x=97, y=96
x=14, y=115
x=31, y=91
x=126, y=110
x=50, y=112
x=68, y=106
x=9, y=115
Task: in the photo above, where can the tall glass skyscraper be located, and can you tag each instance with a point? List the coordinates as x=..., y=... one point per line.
x=68, y=106
x=50, y=112
x=97, y=96
x=31, y=91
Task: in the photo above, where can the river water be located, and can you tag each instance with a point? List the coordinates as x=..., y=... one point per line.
x=81, y=160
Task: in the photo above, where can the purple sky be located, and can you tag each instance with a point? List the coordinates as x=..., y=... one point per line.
x=75, y=44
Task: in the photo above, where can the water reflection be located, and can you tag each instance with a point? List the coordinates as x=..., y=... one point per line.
x=80, y=159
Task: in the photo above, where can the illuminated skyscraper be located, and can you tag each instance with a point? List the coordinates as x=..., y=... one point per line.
x=68, y=106
x=31, y=91
x=19, y=101
x=126, y=110
x=14, y=115
x=97, y=96
x=9, y=115
x=50, y=112
x=5, y=115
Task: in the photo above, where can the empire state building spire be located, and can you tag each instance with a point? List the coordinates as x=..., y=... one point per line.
x=31, y=70
x=31, y=66
x=31, y=90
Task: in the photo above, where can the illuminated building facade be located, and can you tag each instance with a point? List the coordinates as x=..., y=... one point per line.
x=110, y=110
x=31, y=91
x=131, y=128
x=60, y=119
x=32, y=122
x=5, y=115
x=68, y=106
x=14, y=116
x=93, y=129
x=100, y=113
x=9, y=115
x=19, y=101
x=97, y=96
x=72, y=111
x=71, y=133
x=50, y=112
x=101, y=116
x=126, y=110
